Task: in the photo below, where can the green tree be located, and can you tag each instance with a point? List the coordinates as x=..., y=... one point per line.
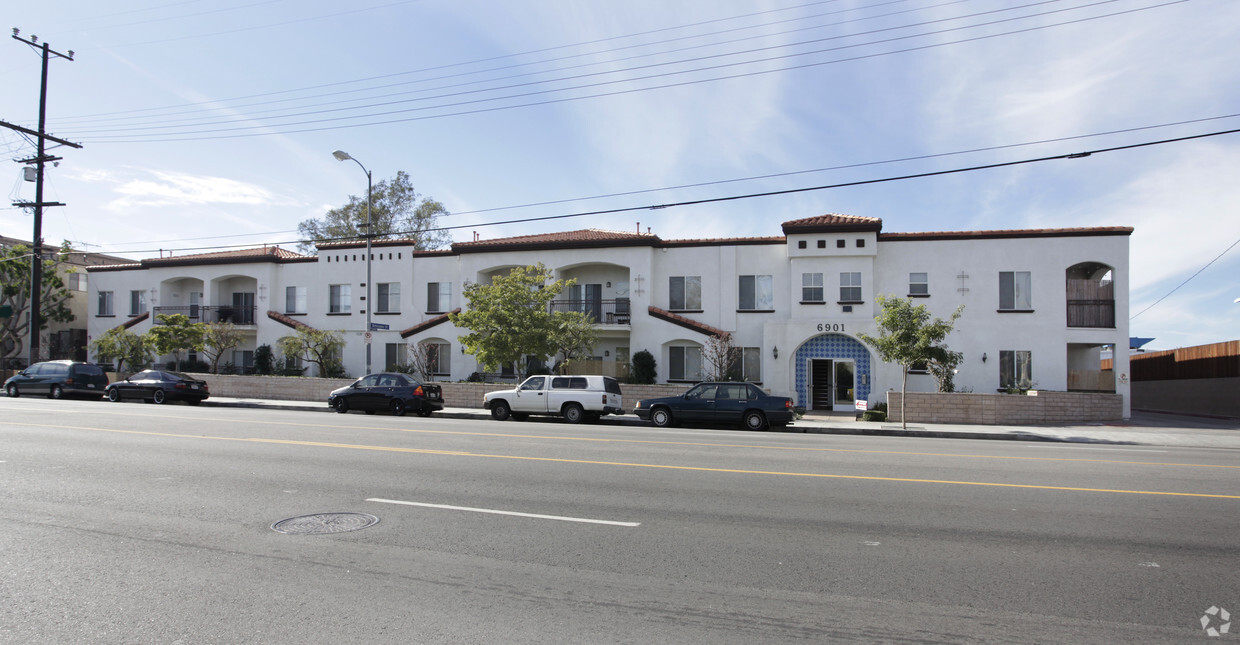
x=123, y=347
x=15, y=294
x=908, y=336
x=264, y=360
x=173, y=334
x=316, y=346
x=943, y=363
x=218, y=338
x=574, y=336
x=396, y=211
x=511, y=317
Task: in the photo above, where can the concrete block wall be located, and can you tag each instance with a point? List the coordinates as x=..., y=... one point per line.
x=1007, y=409
x=456, y=395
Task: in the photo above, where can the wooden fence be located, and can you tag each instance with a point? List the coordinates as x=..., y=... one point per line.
x=1217, y=360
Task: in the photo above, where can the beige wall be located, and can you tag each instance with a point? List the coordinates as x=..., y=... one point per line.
x=1008, y=409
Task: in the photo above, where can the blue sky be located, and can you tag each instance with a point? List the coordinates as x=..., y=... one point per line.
x=207, y=124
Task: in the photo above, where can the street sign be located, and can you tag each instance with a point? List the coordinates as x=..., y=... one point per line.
x=374, y=326
x=366, y=336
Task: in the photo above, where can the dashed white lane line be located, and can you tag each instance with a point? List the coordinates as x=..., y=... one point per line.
x=498, y=512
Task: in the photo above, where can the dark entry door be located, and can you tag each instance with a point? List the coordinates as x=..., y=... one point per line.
x=822, y=376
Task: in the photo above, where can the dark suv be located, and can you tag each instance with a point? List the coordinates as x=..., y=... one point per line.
x=58, y=379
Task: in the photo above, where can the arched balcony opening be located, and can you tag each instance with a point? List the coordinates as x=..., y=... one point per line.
x=1091, y=295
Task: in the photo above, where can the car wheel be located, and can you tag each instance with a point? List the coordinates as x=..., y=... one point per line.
x=398, y=407
x=661, y=417
x=755, y=420
x=573, y=413
x=159, y=397
x=114, y=395
x=341, y=405
x=500, y=411
x=56, y=392
x=12, y=391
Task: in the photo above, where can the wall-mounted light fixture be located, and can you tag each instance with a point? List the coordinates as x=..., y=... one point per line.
x=983, y=357
x=606, y=352
x=608, y=285
x=775, y=352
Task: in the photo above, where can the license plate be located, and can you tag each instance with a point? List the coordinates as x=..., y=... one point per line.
x=91, y=385
x=193, y=387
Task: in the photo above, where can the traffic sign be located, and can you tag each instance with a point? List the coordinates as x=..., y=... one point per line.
x=374, y=326
x=366, y=336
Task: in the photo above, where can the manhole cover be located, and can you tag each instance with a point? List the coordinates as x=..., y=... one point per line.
x=320, y=523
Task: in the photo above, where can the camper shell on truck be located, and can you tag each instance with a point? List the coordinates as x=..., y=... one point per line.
x=576, y=398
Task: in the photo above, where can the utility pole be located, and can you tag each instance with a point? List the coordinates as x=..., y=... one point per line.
x=40, y=159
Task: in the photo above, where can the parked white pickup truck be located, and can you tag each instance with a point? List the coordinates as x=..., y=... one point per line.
x=576, y=398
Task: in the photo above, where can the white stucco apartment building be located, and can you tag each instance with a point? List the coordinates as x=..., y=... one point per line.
x=1039, y=304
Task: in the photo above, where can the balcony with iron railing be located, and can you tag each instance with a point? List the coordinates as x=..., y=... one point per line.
x=602, y=312
x=214, y=313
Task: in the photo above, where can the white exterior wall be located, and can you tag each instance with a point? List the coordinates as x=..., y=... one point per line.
x=796, y=329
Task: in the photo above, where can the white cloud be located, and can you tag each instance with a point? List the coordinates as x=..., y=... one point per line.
x=179, y=189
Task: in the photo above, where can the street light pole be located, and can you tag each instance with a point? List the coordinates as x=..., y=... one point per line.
x=341, y=155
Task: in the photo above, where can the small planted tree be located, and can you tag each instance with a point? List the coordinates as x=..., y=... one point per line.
x=123, y=347
x=174, y=334
x=907, y=336
x=511, y=317
x=317, y=346
x=219, y=338
x=574, y=336
x=720, y=358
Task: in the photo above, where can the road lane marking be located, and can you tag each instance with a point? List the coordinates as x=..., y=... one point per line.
x=349, y=446
x=498, y=512
x=906, y=453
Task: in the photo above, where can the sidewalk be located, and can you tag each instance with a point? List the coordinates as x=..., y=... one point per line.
x=1144, y=429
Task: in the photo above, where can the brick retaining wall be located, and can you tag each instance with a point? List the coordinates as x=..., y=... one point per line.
x=1007, y=409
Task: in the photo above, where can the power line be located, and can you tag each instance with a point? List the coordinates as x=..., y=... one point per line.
x=1190, y=278
x=773, y=193
x=283, y=129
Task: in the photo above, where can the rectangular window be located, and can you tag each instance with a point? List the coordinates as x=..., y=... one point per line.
x=919, y=284
x=137, y=303
x=389, y=298
x=340, y=299
x=685, y=293
x=684, y=363
x=105, y=304
x=850, y=286
x=396, y=355
x=294, y=300
x=1016, y=369
x=438, y=358
x=1014, y=291
x=757, y=293
x=438, y=297
x=811, y=287
x=243, y=361
x=77, y=281
x=751, y=364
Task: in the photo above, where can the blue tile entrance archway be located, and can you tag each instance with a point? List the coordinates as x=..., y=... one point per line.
x=832, y=346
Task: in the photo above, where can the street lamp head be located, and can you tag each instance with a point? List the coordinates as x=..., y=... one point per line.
x=341, y=155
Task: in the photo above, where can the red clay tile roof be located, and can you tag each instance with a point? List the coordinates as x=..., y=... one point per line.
x=724, y=241
x=833, y=223
x=585, y=238
x=428, y=323
x=239, y=256
x=677, y=319
x=1011, y=233
x=287, y=321
x=361, y=244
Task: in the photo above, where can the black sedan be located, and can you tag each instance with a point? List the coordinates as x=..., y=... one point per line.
x=390, y=392
x=719, y=403
x=158, y=386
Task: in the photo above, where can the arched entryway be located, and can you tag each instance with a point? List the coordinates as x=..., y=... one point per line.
x=833, y=372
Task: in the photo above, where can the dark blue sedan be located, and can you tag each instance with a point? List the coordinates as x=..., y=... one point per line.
x=719, y=403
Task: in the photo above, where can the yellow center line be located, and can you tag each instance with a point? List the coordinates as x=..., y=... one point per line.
x=464, y=433
x=349, y=446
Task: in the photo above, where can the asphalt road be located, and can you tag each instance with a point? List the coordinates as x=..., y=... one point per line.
x=135, y=523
